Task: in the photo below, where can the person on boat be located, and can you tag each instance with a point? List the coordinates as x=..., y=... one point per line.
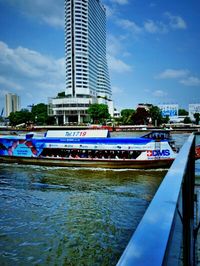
x=70, y=156
x=105, y=155
x=117, y=155
x=90, y=155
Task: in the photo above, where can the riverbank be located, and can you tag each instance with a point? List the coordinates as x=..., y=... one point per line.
x=122, y=128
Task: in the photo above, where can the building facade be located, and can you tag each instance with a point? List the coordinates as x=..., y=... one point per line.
x=12, y=103
x=193, y=108
x=87, y=78
x=170, y=110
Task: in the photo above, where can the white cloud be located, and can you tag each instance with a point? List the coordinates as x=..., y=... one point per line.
x=9, y=84
x=117, y=65
x=151, y=26
x=159, y=93
x=117, y=90
x=29, y=73
x=114, y=45
x=183, y=76
x=50, y=12
x=129, y=25
x=3, y=93
x=176, y=22
x=190, y=81
x=109, y=11
x=116, y=53
x=154, y=27
x=173, y=74
x=120, y=2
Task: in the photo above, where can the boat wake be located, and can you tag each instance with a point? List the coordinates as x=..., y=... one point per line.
x=96, y=169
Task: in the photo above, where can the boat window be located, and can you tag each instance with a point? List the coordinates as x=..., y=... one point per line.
x=90, y=154
x=157, y=135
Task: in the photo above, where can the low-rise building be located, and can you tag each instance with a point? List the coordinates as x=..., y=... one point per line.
x=193, y=108
x=170, y=110
x=63, y=108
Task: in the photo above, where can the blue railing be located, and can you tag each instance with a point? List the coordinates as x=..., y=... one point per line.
x=165, y=234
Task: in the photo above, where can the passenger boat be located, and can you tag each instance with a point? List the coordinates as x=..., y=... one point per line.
x=89, y=148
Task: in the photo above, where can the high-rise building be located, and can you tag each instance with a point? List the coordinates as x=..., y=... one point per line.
x=12, y=103
x=87, y=78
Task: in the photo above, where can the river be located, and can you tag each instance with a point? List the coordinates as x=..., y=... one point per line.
x=71, y=216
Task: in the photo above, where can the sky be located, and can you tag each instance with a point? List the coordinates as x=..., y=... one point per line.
x=152, y=51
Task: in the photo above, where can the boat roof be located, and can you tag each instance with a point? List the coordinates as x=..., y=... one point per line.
x=89, y=137
x=100, y=133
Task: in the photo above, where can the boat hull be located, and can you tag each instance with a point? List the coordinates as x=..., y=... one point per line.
x=97, y=163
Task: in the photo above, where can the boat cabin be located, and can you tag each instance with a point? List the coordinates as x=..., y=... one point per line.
x=158, y=135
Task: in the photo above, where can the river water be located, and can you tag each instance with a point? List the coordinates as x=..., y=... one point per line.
x=71, y=216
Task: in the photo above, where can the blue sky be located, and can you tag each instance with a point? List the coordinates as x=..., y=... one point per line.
x=152, y=49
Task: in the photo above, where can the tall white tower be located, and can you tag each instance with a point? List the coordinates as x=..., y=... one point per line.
x=85, y=49
x=87, y=78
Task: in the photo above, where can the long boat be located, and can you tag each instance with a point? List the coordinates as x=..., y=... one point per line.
x=89, y=148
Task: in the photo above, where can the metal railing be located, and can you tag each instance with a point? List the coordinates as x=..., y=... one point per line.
x=164, y=236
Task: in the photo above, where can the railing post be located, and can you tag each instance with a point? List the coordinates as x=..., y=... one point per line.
x=188, y=209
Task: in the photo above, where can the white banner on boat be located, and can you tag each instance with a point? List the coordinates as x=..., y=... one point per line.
x=77, y=134
x=99, y=146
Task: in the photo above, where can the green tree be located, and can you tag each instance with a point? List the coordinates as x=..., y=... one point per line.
x=155, y=115
x=98, y=112
x=20, y=117
x=37, y=115
x=40, y=115
x=12, y=119
x=61, y=94
x=197, y=118
x=126, y=116
x=182, y=112
x=165, y=119
x=187, y=120
x=141, y=116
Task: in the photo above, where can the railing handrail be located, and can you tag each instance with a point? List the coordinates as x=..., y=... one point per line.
x=149, y=243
